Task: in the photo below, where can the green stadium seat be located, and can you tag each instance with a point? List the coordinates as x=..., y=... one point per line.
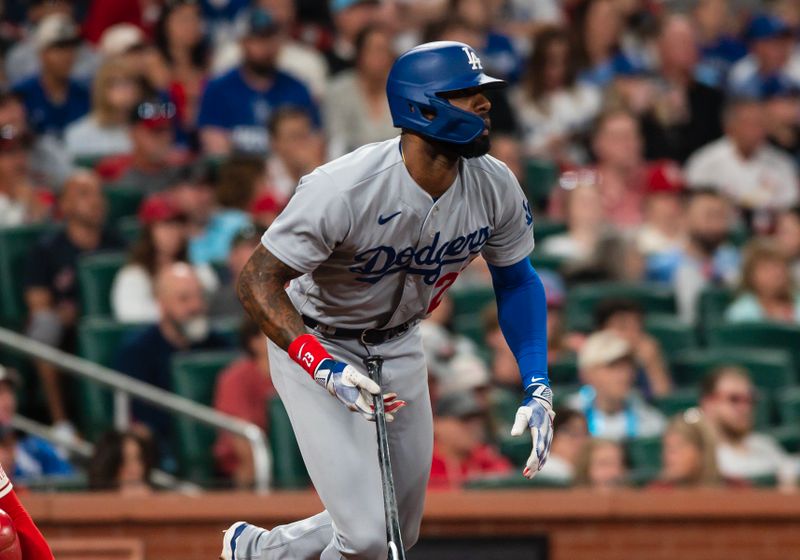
x=471, y=326
x=644, y=453
x=788, y=436
x=770, y=369
x=788, y=402
x=16, y=244
x=96, y=276
x=541, y=261
x=544, y=228
x=583, y=298
x=471, y=301
x=87, y=162
x=760, y=334
x=671, y=333
x=122, y=201
x=98, y=341
x=541, y=176
x=677, y=401
x=288, y=468
x=515, y=480
x=564, y=371
x=194, y=376
x=711, y=306
x=129, y=228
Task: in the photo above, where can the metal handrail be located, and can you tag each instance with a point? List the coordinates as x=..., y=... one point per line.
x=85, y=450
x=125, y=387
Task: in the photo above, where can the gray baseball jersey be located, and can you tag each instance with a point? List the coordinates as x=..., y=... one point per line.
x=378, y=251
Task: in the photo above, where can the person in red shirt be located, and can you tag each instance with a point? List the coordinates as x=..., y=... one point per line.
x=243, y=390
x=31, y=543
x=460, y=451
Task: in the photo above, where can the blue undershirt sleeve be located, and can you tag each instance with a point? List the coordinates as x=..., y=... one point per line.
x=522, y=314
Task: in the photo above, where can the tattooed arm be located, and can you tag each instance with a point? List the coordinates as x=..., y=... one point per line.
x=262, y=291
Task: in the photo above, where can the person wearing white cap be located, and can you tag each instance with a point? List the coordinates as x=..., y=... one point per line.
x=52, y=98
x=22, y=60
x=612, y=408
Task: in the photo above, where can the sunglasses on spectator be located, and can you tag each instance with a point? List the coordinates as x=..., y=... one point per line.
x=737, y=399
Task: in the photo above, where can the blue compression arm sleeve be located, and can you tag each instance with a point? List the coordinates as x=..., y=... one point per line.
x=522, y=313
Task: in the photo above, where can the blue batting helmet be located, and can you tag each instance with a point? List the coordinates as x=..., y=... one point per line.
x=417, y=79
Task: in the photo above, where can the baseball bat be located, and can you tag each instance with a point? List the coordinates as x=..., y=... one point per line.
x=396, y=551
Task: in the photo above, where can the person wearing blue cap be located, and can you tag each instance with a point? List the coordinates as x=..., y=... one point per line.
x=770, y=41
x=236, y=107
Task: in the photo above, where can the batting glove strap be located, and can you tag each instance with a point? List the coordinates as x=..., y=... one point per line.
x=307, y=351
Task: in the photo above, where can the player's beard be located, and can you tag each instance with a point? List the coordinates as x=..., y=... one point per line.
x=477, y=148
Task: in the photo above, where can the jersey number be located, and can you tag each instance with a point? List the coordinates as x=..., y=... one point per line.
x=444, y=282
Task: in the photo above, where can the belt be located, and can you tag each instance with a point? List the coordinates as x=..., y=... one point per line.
x=366, y=336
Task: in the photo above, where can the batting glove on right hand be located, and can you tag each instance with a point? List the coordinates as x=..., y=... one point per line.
x=536, y=413
x=354, y=389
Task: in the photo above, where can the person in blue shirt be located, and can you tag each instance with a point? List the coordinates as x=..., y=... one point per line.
x=26, y=457
x=52, y=99
x=236, y=107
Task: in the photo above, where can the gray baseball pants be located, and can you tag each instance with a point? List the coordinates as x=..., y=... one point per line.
x=340, y=452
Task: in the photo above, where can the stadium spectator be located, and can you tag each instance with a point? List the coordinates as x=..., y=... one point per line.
x=127, y=43
x=625, y=318
x=26, y=457
x=663, y=233
x=570, y=435
x=787, y=236
x=728, y=401
x=460, y=451
x=612, y=407
x=781, y=107
x=243, y=390
x=356, y=111
x=52, y=98
x=555, y=111
x=350, y=17
x=235, y=107
x=706, y=259
x=21, y=200
x=767, y=291
x=162, y=242
x=742, y=164
x=619, y=172
x=498, y=55
x=586, y=222
x=106, y=129
x=122, y=462
x=224, y=303
x=296, y=57
x=296, y=150
x=22, y=59
x=50, y=276
x=684, y=114
x=600, y=465
x=153, y=164
x=180, y=39
x=770, y=42
x=719, y=46
x=240, y=178
x=146, y=355
x=598, y=28
x=211, y=228
x=688, y=453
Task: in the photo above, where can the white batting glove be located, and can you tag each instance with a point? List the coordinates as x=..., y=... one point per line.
x=536, y=414
x=354, y=389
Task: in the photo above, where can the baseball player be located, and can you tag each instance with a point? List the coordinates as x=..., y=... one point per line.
x=369, y=244
x=20, y=539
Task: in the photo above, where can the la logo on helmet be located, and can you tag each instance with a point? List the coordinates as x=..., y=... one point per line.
x=472, y=58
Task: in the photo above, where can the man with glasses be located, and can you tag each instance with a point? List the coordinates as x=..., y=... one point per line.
x=728, y=400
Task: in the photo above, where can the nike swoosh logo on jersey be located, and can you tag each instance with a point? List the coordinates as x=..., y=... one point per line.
x=382, y=220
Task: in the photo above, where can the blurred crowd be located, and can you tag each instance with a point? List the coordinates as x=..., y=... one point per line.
x=658, y=143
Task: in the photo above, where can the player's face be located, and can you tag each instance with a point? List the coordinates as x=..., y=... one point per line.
x=475, y=102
